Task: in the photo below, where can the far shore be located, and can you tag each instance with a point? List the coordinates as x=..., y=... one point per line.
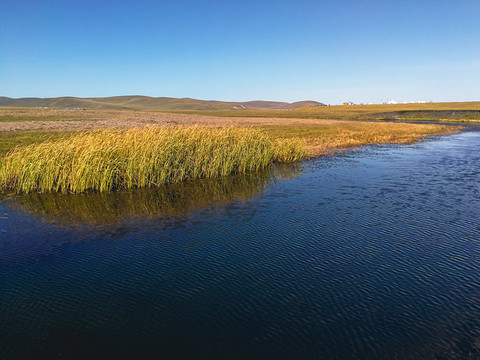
x=322, y=136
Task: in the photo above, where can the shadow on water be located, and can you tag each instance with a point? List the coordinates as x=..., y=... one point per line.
x=108, y=209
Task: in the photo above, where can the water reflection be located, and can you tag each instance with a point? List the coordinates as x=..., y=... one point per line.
x=170, y=200
x=367, y=255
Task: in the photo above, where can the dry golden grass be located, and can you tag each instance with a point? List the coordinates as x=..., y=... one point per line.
x=141, y=157
x=336, y=136
x=147, y=156
x=27, y=126
x=71, y=120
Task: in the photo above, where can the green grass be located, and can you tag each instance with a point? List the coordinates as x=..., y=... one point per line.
x=141, y=157
x=16, y=115
x=34, y=117
x=352, y=112
x=10, y=140
x=433, y=115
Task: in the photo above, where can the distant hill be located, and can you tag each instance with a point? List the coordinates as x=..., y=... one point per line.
x=146, y=103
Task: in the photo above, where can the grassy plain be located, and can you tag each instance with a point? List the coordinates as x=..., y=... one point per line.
x=336, y=136
x=43, y=143
x=451, y=111
x=23, y=126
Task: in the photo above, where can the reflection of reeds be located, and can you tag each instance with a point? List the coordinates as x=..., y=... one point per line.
x=141, y=157
x=168, y=200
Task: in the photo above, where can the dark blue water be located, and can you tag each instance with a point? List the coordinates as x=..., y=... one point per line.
x=373, y=254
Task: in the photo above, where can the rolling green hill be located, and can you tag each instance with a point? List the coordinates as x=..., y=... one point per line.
x=146, y=103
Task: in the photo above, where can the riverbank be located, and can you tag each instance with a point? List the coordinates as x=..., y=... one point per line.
x=49, y=150
x=19, y=127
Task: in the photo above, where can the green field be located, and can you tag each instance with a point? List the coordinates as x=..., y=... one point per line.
x=454, y=111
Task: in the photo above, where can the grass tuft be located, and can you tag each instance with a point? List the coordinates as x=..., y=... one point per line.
x=110, y=159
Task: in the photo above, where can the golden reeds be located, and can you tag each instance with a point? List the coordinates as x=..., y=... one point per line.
x=141, y=157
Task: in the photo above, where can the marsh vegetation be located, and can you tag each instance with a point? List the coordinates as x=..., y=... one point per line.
x=126, y=150
x=106, y=160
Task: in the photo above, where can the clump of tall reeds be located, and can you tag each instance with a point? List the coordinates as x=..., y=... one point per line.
x=141, y=157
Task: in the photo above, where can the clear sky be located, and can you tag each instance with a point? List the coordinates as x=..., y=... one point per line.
x=238, y=50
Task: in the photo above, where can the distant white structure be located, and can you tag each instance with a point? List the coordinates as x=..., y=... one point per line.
x=387, y=102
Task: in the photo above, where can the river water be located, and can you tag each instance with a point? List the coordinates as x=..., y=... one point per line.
x=371, y=254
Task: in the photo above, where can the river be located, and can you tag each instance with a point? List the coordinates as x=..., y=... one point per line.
x=371, y=254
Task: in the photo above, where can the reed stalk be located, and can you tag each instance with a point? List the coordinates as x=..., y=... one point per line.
x=105, y=160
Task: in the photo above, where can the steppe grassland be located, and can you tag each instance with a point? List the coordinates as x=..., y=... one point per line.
x=19, y=127
x=358, y=112
x=42, y=151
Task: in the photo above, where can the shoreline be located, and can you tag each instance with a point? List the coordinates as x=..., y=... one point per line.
x=145, y=150
x=26, y=126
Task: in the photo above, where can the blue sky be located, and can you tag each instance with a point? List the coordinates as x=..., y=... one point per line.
x=329, y=51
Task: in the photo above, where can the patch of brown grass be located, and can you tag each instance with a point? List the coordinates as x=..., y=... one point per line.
x=334, y=136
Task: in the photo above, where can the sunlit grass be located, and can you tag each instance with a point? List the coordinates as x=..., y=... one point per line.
x=10, y=140
x=334, y=136
x=431, y=111
x=105, y=160
x=29, y=114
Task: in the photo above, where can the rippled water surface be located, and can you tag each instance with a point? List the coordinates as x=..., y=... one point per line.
x=368, y=255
